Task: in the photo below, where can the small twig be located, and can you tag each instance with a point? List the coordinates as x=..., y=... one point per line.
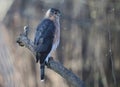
x=26, y=30
x=23, y=40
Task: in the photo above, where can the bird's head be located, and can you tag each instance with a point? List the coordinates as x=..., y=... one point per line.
x=53, y=14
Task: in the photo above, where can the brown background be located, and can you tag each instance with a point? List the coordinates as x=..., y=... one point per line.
x=90, y=42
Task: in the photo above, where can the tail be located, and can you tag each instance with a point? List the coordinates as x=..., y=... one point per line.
x=37, y=57
x=42, y=68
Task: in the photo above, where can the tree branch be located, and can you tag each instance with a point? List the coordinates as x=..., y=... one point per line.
x=23, y=40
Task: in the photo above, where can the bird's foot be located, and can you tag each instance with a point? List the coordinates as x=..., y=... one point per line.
x=37, y=60
x=47, y=63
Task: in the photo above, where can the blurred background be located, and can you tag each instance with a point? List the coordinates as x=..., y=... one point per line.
x=90, y=42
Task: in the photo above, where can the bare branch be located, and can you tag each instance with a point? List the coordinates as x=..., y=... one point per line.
x=23, y=40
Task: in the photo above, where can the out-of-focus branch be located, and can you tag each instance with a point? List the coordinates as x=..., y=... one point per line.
x=5, y=4
x=23, y=40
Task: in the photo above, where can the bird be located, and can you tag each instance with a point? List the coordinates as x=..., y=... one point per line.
x=47, y=37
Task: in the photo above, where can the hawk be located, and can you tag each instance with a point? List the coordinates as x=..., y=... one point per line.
x=47, y=37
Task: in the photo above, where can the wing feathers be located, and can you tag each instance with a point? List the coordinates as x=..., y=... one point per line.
x=44, y=36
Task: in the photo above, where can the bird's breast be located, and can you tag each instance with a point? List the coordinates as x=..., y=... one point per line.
x=56, y=39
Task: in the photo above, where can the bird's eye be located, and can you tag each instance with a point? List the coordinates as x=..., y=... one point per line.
x=55, y=12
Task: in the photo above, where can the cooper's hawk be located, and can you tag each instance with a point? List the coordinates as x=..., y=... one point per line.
x=47, y=37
